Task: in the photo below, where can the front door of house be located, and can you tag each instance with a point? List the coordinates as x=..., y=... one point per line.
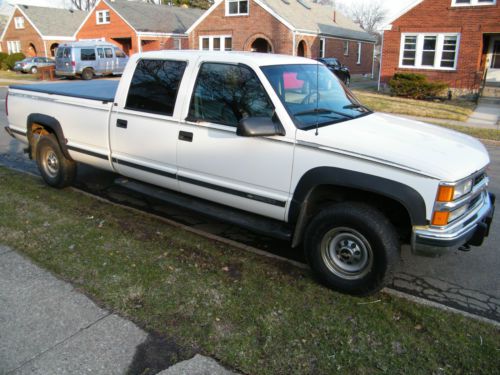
x=493, y=74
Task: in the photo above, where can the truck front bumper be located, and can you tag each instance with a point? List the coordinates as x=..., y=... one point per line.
x=470, y=230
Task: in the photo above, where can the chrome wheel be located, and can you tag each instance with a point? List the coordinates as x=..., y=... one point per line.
x=50, y=163
x=346, y=253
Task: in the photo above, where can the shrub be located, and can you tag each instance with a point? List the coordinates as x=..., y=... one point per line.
x=3, y=57
x=10, y=61
x=415, y=86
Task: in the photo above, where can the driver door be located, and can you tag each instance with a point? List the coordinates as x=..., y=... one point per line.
x=249, y=173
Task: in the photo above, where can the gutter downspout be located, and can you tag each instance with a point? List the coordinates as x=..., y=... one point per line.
x=381, y=57
x=294, y=43
x=139, y=47
x=45, y=48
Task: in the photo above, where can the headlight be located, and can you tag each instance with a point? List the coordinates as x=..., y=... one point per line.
x=449, y=193
x=459, y=212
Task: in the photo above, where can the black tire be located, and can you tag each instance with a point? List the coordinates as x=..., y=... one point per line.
x=347, y=81
x=352, y=248
x=34, y=70
x=87, y=74
x=56, y=170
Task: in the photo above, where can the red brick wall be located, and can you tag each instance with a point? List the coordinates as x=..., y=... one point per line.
x=260, y=24
x=117, y=28
x=335, y=48
x=245, y=29
x=26, y=36
x=438, y=16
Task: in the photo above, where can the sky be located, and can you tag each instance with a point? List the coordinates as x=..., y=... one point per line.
x=393, y=6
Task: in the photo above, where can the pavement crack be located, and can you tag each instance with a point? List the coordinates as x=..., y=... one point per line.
x=58, y=344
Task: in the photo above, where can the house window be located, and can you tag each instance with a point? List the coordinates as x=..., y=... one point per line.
x=359, y=54
x=236, y=7
x=177, y=43
x=13, y=46
x=459, y=3
x=216, y=43
x=429, y=51
x=322, y=42
x=19, y=22
x=102, y=17
x=346, y=48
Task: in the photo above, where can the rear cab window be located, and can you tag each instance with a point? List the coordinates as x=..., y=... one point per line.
x=155, y=85
x=226, y=93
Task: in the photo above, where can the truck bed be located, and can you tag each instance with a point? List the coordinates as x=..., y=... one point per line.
x=102, y=90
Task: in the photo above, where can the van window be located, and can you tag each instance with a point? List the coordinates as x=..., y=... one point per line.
x=119, y=53
x=155, y=85
x=88, y=54
x=108, y=52
x=100, y=53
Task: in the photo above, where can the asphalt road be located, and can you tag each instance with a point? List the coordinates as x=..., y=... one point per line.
x=469, y=281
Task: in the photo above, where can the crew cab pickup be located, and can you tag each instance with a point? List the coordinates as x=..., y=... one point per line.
x=276, y=139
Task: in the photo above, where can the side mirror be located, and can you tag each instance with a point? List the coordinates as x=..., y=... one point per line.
x=259, y=127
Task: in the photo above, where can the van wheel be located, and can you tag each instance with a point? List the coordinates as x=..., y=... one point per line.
x=56, y=170
x=87, y=74
x=352, y=248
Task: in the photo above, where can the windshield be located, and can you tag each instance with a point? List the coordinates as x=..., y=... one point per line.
x=313, y=95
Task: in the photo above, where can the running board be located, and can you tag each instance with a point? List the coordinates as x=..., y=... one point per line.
x=253, y=222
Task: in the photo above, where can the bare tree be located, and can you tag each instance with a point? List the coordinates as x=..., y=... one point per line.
x=369, y=14
x=83, y=4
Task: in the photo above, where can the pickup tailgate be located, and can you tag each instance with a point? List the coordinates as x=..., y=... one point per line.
x=81, y=109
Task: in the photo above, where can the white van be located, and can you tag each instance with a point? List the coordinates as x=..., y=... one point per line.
x=89, y=59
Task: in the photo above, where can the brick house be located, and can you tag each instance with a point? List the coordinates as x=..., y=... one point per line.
x=292, y=27
x=456, y=41
x=137, y=26
x=37, y=31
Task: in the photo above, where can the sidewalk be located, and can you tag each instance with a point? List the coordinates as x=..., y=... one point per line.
x=47, y=327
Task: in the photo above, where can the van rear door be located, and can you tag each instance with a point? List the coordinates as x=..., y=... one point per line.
x=63, y=60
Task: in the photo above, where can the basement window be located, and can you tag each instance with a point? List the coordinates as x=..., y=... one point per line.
x=216, y=43
x=461, y=3
x=429, y=51
x=102, y=17
x=237, y=7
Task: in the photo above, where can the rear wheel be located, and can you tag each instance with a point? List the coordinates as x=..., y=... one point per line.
x=352, y=248
x=55, y=168
x=87, y=74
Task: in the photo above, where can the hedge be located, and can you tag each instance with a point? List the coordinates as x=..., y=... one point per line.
x=415, y=86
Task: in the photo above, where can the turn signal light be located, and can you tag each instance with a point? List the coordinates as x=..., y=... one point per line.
x=440, y=218
x=445, y=193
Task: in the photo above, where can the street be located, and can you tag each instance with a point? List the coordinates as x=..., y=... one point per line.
x=469, y=281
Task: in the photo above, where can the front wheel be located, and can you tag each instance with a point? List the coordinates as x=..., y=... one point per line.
x=352, y=248
x=34, y=70
x=55, y=168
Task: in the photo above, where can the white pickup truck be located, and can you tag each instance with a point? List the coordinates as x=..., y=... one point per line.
x=276, y=143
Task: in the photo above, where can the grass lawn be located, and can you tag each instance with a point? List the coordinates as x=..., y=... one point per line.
x=255, y=315
x=458, y=110
x=490, y=134
x=12, y=77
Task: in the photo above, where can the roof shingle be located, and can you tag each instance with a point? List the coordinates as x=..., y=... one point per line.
x=54, y=21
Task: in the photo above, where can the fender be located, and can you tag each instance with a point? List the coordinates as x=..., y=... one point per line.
x=51, y=123
x=404, y=194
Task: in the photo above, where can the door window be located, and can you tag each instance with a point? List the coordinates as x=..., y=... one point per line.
x=224, y=94
x=100, y=53
x=495, y=61
x=108, y=52
x=119, y=53
x=155, y=85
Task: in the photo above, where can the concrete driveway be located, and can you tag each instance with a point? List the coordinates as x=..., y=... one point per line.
x=466, y=281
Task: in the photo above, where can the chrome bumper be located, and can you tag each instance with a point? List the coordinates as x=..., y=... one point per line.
x=470, y=230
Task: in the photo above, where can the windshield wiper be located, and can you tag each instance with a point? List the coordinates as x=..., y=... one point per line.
x=356, y=106
x=321, y=111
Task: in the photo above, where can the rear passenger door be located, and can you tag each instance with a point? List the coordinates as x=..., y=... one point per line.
x=249, y=173
x=144, y=128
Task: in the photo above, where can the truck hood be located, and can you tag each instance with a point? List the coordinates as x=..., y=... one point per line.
x=413, y=145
